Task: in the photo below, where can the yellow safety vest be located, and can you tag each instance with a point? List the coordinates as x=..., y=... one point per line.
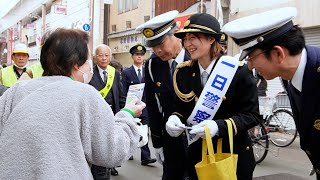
x=36, y=70
x=111, y=72
x=9, y=77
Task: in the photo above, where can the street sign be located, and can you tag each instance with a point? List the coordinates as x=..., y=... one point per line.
x=86, y=27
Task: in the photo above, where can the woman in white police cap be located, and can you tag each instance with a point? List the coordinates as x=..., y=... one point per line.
x=276, y=47
x=201, y=101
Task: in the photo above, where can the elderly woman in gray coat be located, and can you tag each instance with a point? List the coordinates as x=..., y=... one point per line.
x=55, y=126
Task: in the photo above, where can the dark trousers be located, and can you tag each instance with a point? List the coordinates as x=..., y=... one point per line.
x=100, y=173
x=175, y=159
x=145, y=152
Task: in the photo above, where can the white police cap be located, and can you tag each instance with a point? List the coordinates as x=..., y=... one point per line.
x=257, y=29
x=155, y=29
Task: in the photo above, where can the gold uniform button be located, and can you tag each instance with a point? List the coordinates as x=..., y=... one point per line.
x=316, y=124
x=308, y=152
x=247, y=148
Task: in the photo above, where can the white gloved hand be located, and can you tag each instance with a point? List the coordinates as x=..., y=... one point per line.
x=199, y=130
x=159, y=155
x=174, y=126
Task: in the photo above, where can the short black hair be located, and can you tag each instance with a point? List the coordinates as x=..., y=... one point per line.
x=293, y=40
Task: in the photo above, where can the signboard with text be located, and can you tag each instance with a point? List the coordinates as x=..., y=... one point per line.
x=60, y=9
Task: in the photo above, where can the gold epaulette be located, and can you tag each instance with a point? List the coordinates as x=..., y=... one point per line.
x=184, y=97
x=184, y=64
x=242, y=63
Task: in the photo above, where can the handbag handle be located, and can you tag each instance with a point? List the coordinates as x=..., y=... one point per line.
x=207, y=146
x=219, y=146
x=207, y=143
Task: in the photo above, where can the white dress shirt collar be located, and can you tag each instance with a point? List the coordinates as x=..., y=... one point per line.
x=136, y=69
x=209, y=68
x=101, y=72
x=298, y=75
x=180, y=57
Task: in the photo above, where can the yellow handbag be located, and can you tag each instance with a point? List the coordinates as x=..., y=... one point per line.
x=219, y=166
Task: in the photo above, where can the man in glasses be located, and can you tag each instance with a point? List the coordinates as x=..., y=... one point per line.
x=107, y=81
x=276, y=47
x=167, y=53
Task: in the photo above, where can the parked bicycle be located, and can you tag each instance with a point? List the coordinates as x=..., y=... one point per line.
x=277, y=125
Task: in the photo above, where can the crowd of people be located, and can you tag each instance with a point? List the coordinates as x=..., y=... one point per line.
x=66, y=118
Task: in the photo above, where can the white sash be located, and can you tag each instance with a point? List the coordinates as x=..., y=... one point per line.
x=211, y=96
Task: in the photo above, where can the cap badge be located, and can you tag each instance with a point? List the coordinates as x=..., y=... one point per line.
x=260, y=39
x=186, y=23
x=316, y=124
x=318, y=69
x=158, y=84
x=139, y=48
x=223, y=37
x=148, y=32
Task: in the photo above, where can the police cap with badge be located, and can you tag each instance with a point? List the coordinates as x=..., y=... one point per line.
x=255, y=30
x=137, y=49
x=156, y=28
x=202, y=23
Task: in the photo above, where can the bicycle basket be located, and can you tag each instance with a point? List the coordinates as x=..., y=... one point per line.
x=266, y=105
x=282, y=101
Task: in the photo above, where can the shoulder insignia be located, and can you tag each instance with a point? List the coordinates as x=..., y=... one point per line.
x=183, y=97
x=242, y=63
x=184, y=64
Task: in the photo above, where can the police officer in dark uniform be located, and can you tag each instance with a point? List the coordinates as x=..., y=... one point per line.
x=135, y=75
x=168, y=52
x=201, y=37
x=276, y=47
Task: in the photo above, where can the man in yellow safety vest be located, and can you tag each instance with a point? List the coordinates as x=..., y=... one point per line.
x=10, y=74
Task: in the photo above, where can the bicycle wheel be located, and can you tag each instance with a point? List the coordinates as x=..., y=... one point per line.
x=282, y=128
x=260, y=142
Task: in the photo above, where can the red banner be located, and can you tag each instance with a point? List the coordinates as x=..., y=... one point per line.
x=182, y=19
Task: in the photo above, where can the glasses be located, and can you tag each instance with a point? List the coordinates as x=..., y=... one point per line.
x=248, y=59
x=102, y=55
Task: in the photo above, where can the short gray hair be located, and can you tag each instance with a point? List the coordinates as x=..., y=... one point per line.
x=100, y=46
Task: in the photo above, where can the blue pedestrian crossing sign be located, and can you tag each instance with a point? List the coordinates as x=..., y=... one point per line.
x=86, y=27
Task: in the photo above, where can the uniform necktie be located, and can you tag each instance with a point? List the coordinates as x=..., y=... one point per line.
x=173, y=67
x=139, y=75
x=204, y=78
x=105, y=76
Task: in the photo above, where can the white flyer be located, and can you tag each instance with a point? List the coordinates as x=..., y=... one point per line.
x=135, y=90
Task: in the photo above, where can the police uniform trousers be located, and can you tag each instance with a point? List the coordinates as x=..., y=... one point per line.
x=175, y=161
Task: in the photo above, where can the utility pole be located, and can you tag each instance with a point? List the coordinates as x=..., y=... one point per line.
x=91, y=18
x=43, y=27
x=201, y=6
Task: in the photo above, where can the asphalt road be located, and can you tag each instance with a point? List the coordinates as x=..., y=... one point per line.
x=289, y=160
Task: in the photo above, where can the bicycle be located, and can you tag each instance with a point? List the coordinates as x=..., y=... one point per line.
x=280, y=124
x=277, y=126
x=260, y=141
